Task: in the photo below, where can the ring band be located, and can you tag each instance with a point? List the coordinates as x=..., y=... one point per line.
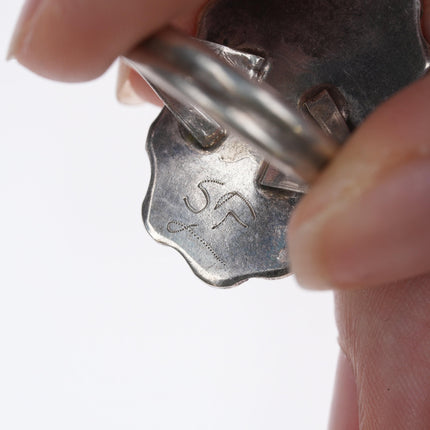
x=187, y=70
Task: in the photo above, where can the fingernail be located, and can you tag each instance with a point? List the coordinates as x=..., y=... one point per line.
x=22, y=31
x=344, y=408
x=124, y=91
x=380, y=235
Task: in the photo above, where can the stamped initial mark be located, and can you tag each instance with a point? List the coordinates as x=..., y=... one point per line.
x=201, y=186
x=231, y=213
x=204, y=203
x=221, y=202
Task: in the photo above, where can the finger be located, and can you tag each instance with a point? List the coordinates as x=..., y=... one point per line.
x=77, y=40
x=385, y=334
x=131, y=87
x=344, y=410
x=125, y=92
x=366, y=221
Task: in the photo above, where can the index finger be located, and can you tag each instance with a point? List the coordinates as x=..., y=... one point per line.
x=77, y=40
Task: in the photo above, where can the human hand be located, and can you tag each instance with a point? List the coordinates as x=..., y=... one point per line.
x=383, y=330
x=364, y=230
x=76, y=41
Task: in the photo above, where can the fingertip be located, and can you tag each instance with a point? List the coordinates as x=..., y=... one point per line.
x=365, y=221
x=73, y=41
x=57, y=40
x=142, y=89
x=305, y=253
x=125, y=92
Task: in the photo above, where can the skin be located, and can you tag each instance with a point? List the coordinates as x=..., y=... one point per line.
x=363, y=230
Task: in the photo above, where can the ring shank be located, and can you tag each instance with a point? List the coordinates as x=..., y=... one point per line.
x=187, y=70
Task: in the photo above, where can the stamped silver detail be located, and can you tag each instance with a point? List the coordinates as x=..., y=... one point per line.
x=203, y=128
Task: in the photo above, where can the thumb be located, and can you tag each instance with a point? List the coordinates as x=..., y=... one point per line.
x=367, y=219
x=384, y=332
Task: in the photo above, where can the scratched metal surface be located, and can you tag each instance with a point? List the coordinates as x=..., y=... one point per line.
x=367, y=49
x=208, y=203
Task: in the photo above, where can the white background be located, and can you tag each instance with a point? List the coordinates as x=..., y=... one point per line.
x=101, y=327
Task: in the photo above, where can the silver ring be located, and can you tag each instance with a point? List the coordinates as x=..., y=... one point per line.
x=187, y=70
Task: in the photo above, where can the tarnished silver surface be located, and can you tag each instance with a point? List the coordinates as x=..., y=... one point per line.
x=206, y=205
x=202, y=127
x=255, y=112
x=212, y=204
